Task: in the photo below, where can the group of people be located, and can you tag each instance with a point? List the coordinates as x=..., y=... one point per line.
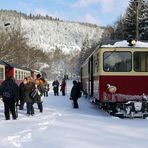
x=75, y=91
x=56, y=84
x=29, y=91
x=32, y=91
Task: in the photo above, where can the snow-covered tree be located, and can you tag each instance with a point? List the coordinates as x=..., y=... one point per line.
x=144, y=25
x=134, y=17
x=119, y=29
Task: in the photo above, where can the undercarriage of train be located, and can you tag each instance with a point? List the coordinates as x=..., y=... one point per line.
x=128, y=109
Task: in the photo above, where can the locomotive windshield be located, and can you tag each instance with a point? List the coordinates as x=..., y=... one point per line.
x=141, y=61
x=117, y=61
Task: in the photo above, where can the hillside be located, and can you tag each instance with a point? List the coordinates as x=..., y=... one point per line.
x=46, y=33
x=59, y=42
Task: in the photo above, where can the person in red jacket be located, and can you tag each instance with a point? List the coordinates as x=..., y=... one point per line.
x=63, y=86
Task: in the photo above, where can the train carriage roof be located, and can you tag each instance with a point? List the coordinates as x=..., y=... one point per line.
x=34, y=70
x=12, y=65
x=124, y=44
x=2, y=62
x=116, y=44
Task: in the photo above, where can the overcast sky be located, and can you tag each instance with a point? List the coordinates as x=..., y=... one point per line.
x=101, y=12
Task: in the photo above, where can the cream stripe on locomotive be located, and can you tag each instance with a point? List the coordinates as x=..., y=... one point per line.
x=98, y=62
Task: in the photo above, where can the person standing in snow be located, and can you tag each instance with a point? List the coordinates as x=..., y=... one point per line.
x=40, y=95
x=55, y=85
x=10, y=95
x=46, y=88
x=29, y=84
x=22, y=93
x=63, y=86
x=74, y=95
x=41, y=80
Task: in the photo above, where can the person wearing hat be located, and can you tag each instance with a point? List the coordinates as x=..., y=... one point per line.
x=74, y=95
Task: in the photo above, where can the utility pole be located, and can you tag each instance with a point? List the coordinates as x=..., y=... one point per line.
x=137, y=20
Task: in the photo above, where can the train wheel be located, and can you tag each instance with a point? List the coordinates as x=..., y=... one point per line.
x=112, y=113
x=144, y=116
x=132, y=115
x=121, y=116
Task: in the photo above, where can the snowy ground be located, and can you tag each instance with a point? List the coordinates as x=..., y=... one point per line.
x=61, y=126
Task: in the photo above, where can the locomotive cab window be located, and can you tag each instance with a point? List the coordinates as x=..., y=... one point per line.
x=117, y=61
x=141, y=61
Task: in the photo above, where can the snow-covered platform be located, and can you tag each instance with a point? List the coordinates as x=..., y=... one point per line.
x=61, y=126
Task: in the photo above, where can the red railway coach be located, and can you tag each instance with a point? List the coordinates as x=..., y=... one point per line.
x=16, y=71
x=19, y=73
x=116, y=76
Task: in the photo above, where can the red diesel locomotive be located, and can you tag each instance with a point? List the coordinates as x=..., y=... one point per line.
x=116, y=76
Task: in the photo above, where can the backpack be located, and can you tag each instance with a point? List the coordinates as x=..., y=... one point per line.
x=8, y=91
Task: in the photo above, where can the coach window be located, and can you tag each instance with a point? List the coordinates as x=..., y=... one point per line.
x=24, y=74
x=19, y=75
x=1, y=73
x=119, y=61
x=17, y=78
x=15, y=74
x=141, y=61
x=28, y=74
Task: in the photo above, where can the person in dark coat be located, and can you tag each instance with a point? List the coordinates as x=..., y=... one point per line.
x=63, y=86
x=17, y=96
x=29, y=101
x=22, y=93
x=74, y=94
x=10, y=95
x=55, y=85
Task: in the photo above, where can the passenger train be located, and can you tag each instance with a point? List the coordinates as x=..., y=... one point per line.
x=19, y=73
x=116, y=77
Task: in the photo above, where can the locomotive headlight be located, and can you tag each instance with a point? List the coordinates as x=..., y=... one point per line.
x=131, y=41
x=111, y=89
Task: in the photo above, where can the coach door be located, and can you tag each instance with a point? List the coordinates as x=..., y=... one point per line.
x=90, y=72
x=146, y=62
